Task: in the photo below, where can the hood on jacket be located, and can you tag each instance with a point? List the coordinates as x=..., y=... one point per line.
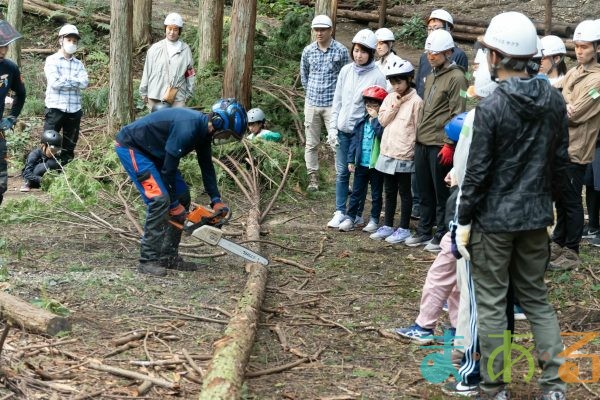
x=450, y=67
x=527, y=97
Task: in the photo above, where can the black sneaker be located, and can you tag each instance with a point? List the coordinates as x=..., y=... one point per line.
x=590, y=232
x=595, y=241
x=179, y=264
x=152, y=268
x=415, y=213
x=460, y=389
x=417, y=240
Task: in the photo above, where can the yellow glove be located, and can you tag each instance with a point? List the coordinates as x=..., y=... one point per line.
x=463, y=232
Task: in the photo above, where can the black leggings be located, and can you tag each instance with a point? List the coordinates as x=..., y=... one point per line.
x=394, y=184
x=592, y=200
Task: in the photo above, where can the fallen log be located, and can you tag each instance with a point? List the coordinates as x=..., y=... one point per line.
x=31, y=318
x=60, y=15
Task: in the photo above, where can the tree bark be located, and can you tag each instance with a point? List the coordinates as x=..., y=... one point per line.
x=120, y=101
x=240, y=55
x=30, y=318
x=142, y=23
x=210, y=17
x=15, y=18
x=548, y=17
x=382, y=13
x=329, y=8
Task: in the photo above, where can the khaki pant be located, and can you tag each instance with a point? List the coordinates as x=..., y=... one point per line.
x=521, y=257
x=314, y=119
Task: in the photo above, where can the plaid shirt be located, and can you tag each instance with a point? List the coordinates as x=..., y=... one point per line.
x=319, y=71
x=66, y=78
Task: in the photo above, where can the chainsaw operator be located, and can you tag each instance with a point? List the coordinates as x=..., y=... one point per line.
x=150, y=150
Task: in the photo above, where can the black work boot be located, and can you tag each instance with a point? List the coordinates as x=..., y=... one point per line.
x=179, y=264
x=152, y=268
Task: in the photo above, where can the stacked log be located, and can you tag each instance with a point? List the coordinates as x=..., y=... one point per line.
x=465, y=29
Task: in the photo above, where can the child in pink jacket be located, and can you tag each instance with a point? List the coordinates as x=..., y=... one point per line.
x=399, y=114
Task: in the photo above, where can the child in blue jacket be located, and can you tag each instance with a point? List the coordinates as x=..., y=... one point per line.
x=362, y=156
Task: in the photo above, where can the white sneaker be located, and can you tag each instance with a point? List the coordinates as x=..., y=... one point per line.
x=382, y=233
x=359, y=220
x=347, y=225
x=338, y=218
x=371, y=227
x=399, y=236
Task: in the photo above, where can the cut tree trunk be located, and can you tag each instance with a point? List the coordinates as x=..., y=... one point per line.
x=142, y=23
x=237, y=80
x=14, y=16
x=60, y=13
x=120, y=100
x=30, y=318
x=210, y=17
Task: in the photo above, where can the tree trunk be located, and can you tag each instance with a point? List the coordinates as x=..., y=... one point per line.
x=210, y=17
x=382, y=13
x=326, y=7
x=30, y=318
x=240, y=55
x=548, y=17
x=225, y=375
x=15, y=18
x=142, y=23
x=120, y=101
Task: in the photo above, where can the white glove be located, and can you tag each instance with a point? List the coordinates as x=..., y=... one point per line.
x=463, y=232
x=332, y=138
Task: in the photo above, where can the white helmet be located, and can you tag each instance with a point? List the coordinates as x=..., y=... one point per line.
x=256, y=115
x=384, y=35
x=367, y=38
x=587, y=31
x=553, y=45
x=442, y=15
x=439, y=41
x=67, y=30
x=399, y=68
x=321, y=21
x=174, y=19
x=512, y=34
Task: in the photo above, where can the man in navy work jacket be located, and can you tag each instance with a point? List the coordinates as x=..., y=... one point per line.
x=150, y=150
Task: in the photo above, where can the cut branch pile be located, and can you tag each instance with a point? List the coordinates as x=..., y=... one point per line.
x=62, y=13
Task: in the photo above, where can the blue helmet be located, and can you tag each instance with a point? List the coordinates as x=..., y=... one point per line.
x=454, y=127
x=230, y=115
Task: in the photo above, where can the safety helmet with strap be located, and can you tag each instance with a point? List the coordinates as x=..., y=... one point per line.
x=68, y=30
x=439, y=41
x=174, y=19
x=321, y=21
x=256, y=115
x=553, y=45
x=442, y=15
x=384, y=35
x=511, y=34
x=229, y=115
x=51, y=138
x=366, y=38
x=8, y=34
x=454, y=127
x=375, y=92
x=399, y=69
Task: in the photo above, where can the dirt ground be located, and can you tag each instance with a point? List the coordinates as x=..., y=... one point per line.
x=341, y=314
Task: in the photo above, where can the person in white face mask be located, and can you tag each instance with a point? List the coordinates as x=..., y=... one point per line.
x=66, y=77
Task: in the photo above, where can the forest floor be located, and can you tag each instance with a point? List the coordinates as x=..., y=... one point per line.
x=342, y=313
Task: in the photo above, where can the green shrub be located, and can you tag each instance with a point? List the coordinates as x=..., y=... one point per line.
x=413, y=32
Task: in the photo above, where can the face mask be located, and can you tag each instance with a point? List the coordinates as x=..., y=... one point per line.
x=70, y=48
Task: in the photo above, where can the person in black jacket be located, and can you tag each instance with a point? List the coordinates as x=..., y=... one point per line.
x=41, y=160
x=10, y=79
x=516, y=159
x=150, y=150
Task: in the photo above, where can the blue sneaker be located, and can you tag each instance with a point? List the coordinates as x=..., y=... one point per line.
x=445, y=306
x=519, y=313
x=382, y=233
x=399, y=236
x=416, y=334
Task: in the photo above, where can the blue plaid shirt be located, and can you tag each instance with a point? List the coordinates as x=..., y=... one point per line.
x=319, y=71
x=66, y=78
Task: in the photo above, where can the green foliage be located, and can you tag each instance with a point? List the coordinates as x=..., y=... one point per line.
x=277, y=8
x=413, y=32
x=46, y=303
x=4, y=275
x=94, y=101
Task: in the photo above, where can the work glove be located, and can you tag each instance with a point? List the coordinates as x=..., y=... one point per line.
x=332, y=138
x=7, y=123
x=446, y=155
x=460, y=238
x=178, y=214
x=218, y=206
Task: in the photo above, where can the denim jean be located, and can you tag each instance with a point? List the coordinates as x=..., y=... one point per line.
x=362, y=177
x=342, y=175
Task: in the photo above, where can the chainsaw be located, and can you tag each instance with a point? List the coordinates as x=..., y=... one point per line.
x=204, y=223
